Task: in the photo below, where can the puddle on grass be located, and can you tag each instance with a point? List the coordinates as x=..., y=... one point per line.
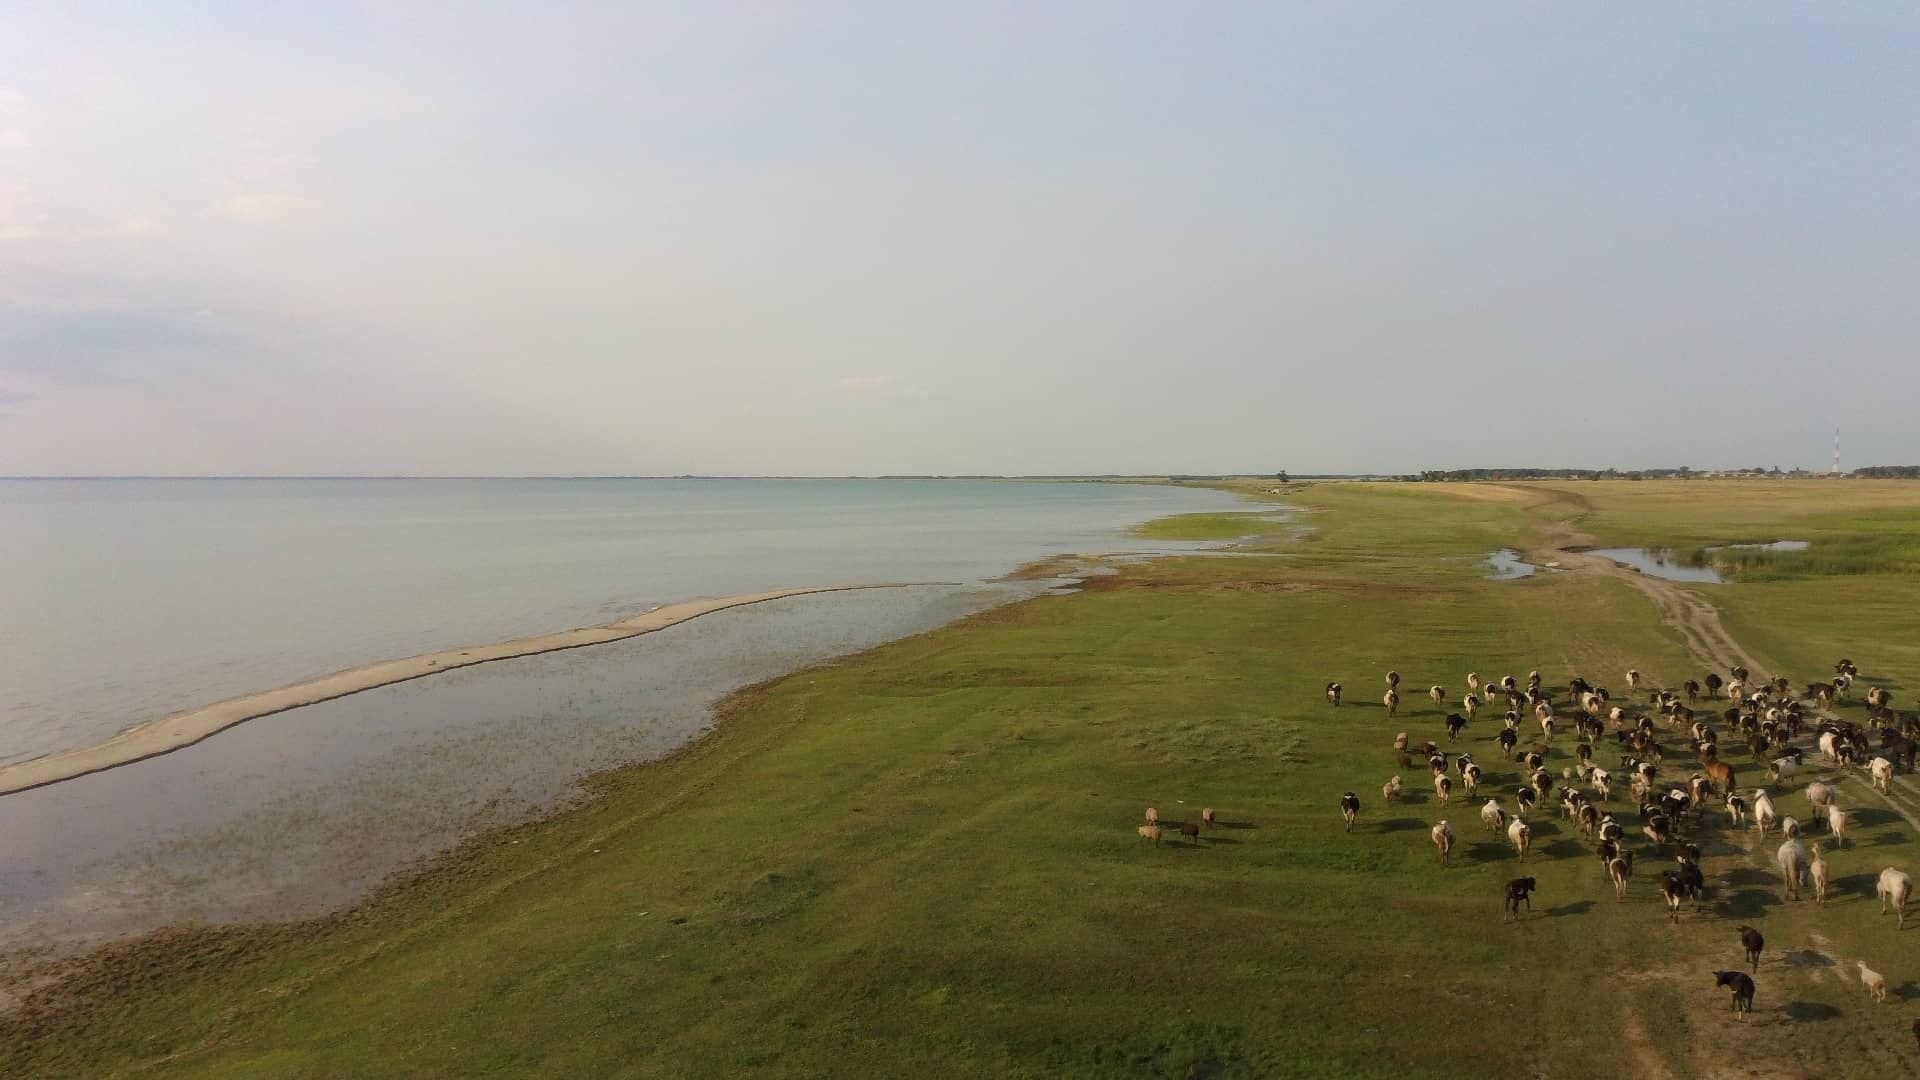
x=1507, y=565
x=1660, y=563
x=1777, y=545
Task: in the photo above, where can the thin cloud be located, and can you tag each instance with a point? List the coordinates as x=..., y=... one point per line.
x=866, y=382
x=267, y=206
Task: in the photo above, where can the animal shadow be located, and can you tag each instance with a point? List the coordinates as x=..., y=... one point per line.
x=1804, y=1011
x=1871, y=816
x=1747, y=875
x=1578, y=907
x=1213, y=839
x=1237, y=825
x=1403, y=824
x=1858, y=884
x=1564, y=848
x=1745, y=903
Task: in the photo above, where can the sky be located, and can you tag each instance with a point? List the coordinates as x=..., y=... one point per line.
x=785, y=238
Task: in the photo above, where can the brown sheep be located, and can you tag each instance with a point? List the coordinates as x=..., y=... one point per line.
x=1150, y=832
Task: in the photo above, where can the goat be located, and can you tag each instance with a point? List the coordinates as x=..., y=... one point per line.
x=1894, y=888
x=1473, y=682
x=1393, y=680
x=1443, y=840
x=1350, y=803
x=1742, y=986
x=1874, y=982
x=1633, y=678
x=1783, y=768
x=1519, y=891
x=1752, y=942
x=1521, y=835
x=1525, y=797
x=1817, y=869
x=1819, y=796
x=1470, y=775
x=1619, y=869
x=1455, y=725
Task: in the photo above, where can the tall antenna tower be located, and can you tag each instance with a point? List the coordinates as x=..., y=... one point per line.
x=1836, y=451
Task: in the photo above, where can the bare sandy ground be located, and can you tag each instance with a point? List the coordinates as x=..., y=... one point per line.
x=170, y=733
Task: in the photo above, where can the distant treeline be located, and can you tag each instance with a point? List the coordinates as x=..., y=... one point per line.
x=1889, y=472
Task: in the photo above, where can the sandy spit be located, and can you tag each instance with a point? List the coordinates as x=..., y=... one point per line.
x=170, y=733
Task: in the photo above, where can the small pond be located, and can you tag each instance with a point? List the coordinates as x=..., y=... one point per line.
x=1507, y=565
x=1660, y=563
x=1777, y=545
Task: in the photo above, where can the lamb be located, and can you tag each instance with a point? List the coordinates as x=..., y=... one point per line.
x=1443, y=840
x=1752, y=942
x=1894, y=888
x=1875, y=983
x=1837, y=824
x=1207, y=816
x=1818, y=869
x=1333, y=693
x=1519, y=891
x=1881, y=771
x=1521, y=836
x=1350, y=803
x=1792, y=860
x=1390, y=790
x=1742, y=986
x=1150, y=832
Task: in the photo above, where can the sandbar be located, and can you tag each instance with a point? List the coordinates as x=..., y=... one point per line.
x=182, y=729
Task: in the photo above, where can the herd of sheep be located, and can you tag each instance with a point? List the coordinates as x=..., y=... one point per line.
x=1767, y=716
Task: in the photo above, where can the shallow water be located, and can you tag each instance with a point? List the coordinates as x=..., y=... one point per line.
x=127, y=600
x=1659, y=563
x=1507, y=565
x=1777, y=545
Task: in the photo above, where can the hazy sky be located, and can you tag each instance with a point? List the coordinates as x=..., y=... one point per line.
x=408, y=237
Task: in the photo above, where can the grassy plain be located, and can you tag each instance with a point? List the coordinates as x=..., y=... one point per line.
x=922, y=860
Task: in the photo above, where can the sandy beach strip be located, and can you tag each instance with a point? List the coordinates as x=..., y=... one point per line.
x=170, y=733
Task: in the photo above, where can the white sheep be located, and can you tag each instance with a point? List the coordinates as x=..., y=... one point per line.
x=1390, y=790
x=1443, y=786
x=1494, y=817
x=1602, y=784
x=1837, y=824
x=1875, y=982
x=1894, y=888
x=1763, y=815
x=1790, y=828
x=1442, y=834
x=1521, y=836
x=1819, y=796
x=1153, y=816
x=1792, y=860
x=1882, y=772
x=1827, y=746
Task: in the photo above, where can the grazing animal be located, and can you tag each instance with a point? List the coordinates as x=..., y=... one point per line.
x=1874, y=982
x=1881, y=771
x=1742, y=986
x=1443, y=786
x=1494, y=817
x=1673, y=891
x=1752, y=942
x=1763, y=816
x=1817, y=869
x=1837, y=824
x=1455, y=724
x=1333, y=693
x=1443, y=840
x=1894, y=888
x=1520, y=891
x=1619, y=869
x=1792, y=860
x=1350, y=803
x=1190, y=830
x=1438, y=694
x=1392, y=702
x=1206, y=816
x=1521, y=835
x=1150, y=832
x=1153, y=816
x=1390, y=790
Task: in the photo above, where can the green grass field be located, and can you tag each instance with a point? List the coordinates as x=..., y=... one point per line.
x=922, y=860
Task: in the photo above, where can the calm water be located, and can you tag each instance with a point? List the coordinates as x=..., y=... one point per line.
x=1660, y=563
x=145, y=596
x=1507, y=565
x=130, y=599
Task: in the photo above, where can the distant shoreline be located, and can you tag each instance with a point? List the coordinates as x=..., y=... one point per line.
x=180, y=730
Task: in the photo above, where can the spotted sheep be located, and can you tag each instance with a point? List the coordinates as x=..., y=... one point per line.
x=1442, y=834
x=1443, y=786
x=1392, y=702
x=1333, y=693
x=1473, y=682
x=1521, y=836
